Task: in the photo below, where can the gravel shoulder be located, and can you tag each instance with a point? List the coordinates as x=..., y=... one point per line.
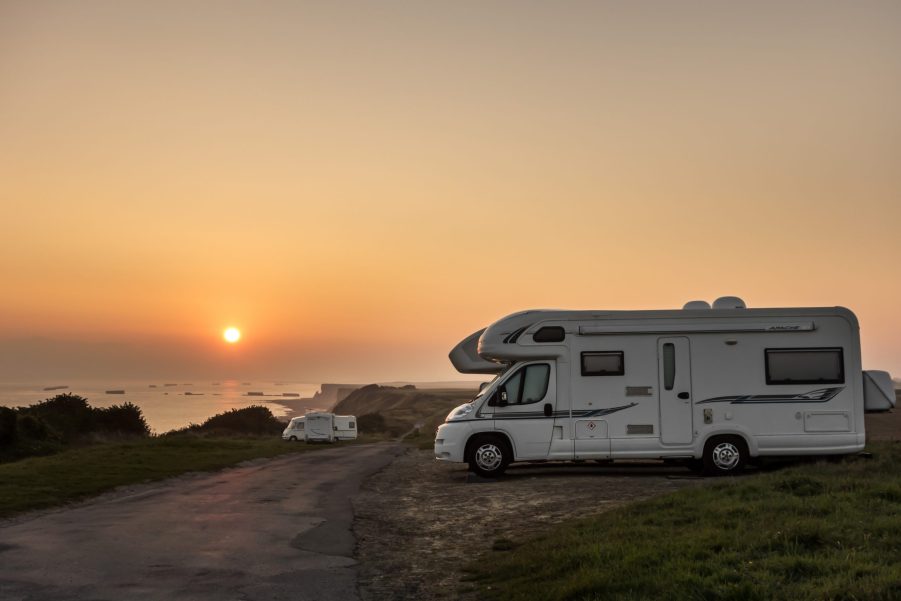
x=418, y=522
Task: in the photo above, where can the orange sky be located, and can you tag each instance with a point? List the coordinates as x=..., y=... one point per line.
x=357, y=186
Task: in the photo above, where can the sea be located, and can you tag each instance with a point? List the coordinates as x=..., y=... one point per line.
x=169, y=405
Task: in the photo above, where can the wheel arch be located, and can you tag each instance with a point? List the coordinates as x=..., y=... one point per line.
x=749, y=440
x=470, y=443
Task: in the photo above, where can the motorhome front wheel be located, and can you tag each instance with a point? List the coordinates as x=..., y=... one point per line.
x=489, y=457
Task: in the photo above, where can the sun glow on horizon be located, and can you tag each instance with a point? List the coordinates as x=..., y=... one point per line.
x=231, y=335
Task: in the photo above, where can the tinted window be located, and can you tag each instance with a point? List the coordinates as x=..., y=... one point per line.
x=351, y=425
x=512, y=387
x=603, y=363
x=805, y=366
x=669, y=365
x=549, y=334
x=535, y=385
x=528, y=385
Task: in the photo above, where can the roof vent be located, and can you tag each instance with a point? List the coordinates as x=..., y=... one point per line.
x=696, y=305
x=729, y=302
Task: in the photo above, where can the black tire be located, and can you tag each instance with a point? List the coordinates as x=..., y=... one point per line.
x=293, y=439
x=488, y=455
x=725, y=456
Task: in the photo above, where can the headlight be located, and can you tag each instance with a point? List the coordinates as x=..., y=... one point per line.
x=460, y=412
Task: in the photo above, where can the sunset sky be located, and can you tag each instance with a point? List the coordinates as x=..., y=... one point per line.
x=359, y=185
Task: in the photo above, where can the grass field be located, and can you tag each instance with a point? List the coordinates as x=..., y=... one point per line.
x=79, y=473
x=812, y=531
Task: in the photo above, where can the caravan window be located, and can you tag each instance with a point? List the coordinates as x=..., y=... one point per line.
x=805, y=366
x=528, y=385
x=603, y=363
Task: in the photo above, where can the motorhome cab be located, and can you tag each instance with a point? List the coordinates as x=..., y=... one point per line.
x=295, y=430
x=319, y=426
x=714, y=386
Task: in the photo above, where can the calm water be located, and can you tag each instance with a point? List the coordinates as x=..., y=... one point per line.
x=167, y=407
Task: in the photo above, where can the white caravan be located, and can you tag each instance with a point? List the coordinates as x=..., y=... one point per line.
x=345, y=427
x=713, y=386
x=319, y=426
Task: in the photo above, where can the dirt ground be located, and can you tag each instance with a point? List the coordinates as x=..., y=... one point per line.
x=417, y=522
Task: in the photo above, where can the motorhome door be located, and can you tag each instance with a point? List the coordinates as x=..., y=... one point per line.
x=524, y=406
x=674, y=367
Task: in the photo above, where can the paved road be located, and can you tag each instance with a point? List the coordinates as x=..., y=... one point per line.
x=279, y=529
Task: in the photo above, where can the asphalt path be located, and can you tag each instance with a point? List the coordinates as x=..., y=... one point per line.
x=273, y=529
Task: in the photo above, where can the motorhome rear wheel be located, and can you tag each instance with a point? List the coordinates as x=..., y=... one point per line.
x=725, y=455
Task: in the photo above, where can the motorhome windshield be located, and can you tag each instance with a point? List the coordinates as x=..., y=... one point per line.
x=489, y=385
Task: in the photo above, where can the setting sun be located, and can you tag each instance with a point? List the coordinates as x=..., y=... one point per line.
x=232, y=335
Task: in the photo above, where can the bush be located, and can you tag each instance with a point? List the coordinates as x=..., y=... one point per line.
x=7, y=426
x=31, y=427
x=249, y=420
x=371, y=422
x=121, y=419
x=68, y=415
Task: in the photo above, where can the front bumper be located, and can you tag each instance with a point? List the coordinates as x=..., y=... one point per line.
x=450, y=440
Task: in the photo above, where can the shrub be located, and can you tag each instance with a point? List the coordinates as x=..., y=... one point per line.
x=32, y=427
x=69, y=415
x=121, y=419
x=7, y=426
x=249, y=420
x=371, y=422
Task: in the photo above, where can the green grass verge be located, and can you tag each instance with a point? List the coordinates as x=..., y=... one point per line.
x=814, y=531
x=79, y=473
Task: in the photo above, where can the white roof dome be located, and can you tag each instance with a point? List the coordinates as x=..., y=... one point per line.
x=697, y=304
x=729, y=302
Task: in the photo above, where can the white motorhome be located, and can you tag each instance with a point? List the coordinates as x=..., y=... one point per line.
x=713, y=386
x=320, y=426
x=295, y=430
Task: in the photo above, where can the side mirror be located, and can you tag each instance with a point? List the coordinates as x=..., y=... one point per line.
x=482, y=386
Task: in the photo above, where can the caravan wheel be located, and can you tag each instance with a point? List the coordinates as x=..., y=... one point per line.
x=725, y=456
x=489, y=456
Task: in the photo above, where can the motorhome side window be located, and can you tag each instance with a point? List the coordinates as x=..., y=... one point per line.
x=669, y=365
x=549, y=334
x=528, y=385
x=805, y=366
x=603, y=363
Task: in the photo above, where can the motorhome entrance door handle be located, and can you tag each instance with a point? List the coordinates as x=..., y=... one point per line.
x=683, y=395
